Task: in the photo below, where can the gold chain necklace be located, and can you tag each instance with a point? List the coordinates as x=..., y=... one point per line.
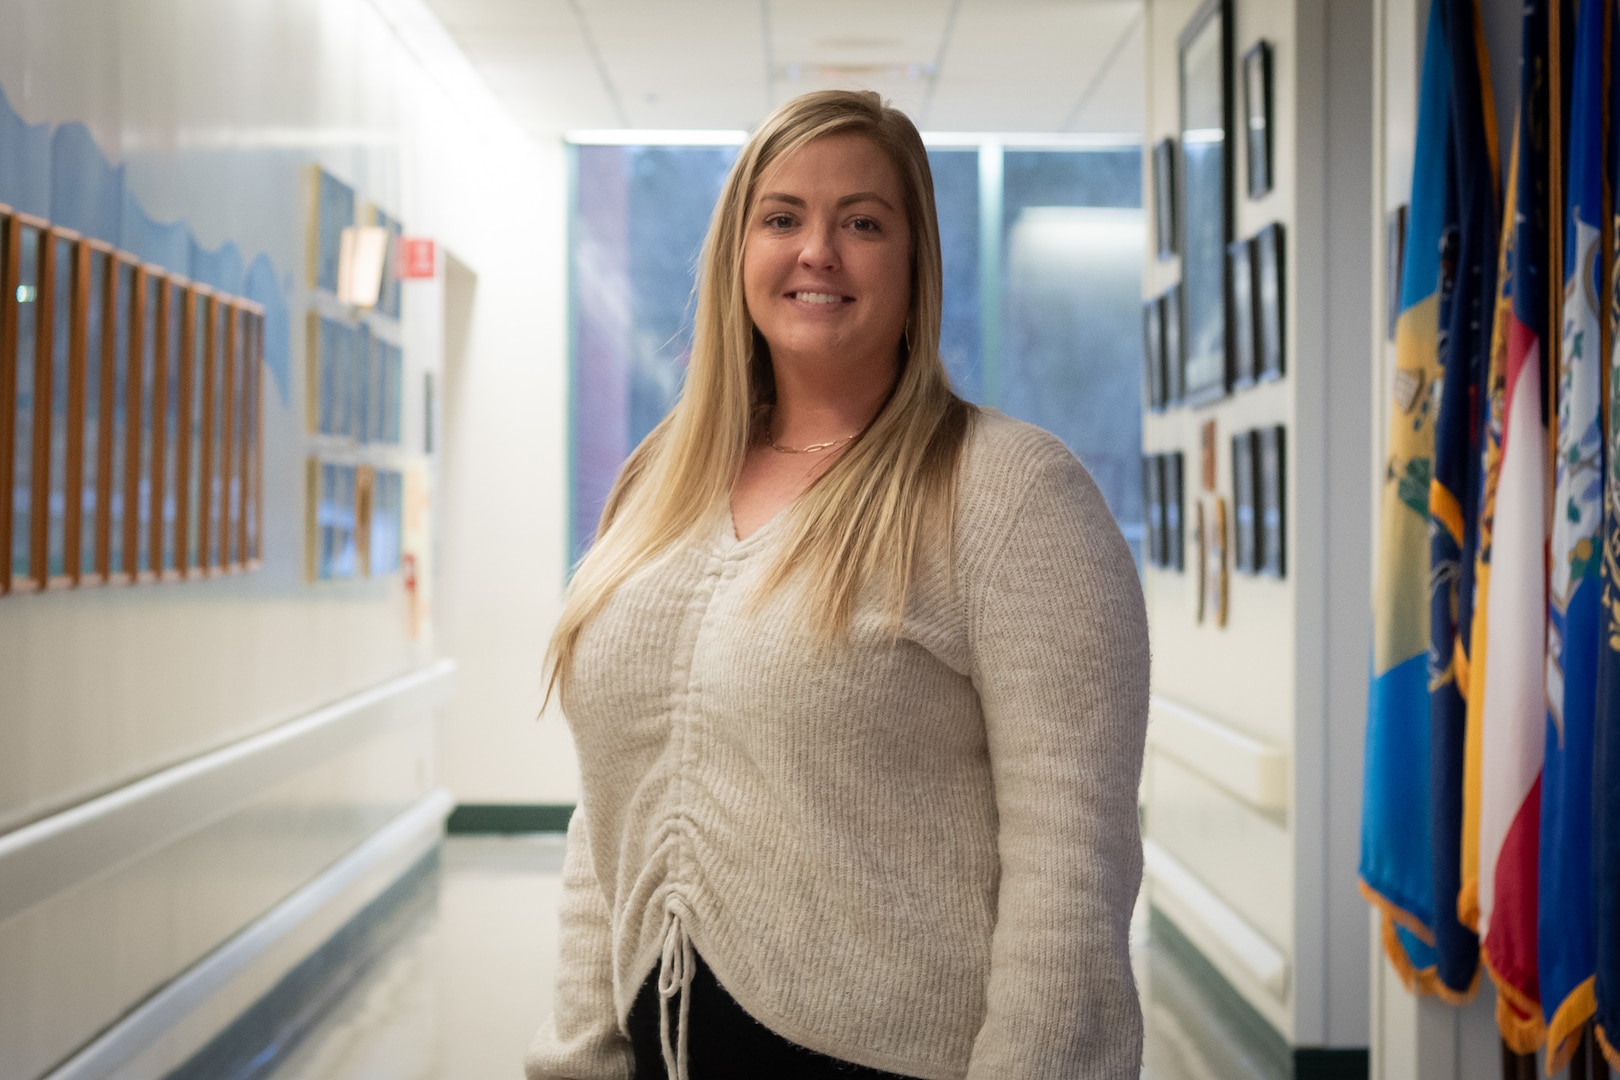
x=813, y=448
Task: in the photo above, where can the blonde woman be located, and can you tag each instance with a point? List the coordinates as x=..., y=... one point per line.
x=858, y=676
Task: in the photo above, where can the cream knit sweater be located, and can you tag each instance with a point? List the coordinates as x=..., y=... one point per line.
x=916, y=854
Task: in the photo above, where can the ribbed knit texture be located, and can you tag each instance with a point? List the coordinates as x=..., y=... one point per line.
x=916, y=853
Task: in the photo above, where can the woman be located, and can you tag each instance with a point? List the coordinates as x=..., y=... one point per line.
x=858, y=676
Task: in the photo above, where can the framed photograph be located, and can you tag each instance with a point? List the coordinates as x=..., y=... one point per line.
x=1240, y=272
x=1164, y=197
x=1257, y=117
x=1269, y=302
x=1174, y=539
x=1153, y=507
x=1171, y=324
x=1272, y=451
x=332, y=211
x=1200, y=557
x=1215, y=581
x=1206, y=455
x=1153, y=366
x=1205, y=187
x=1394, y=261
x=1245, y=520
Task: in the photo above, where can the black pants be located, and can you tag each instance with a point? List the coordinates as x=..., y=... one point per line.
x=724, y=1043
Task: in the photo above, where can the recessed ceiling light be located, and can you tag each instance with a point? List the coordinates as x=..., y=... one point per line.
x=855, y=42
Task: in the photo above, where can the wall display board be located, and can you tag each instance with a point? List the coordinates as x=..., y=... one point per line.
x=1240, y=282
x=1245, y=519
x=355, y=379
x=1153, y=359
x=1153, y=507
x=1163, y=479
x=333, y=210
x=1257, y=117
x=1172, y=323
x=1271, y=451
x=1174, y=538
x=1269, y=302
x=1205, y=210
x=1164, y=198
x=130, y=417
x=1213, y=549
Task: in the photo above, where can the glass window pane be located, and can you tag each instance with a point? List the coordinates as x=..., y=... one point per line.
x=92, y=412
x=125, y=278
x=146, y=423
x=22, y=477
x=364, y=377
x=61, y=346
x=1071, y=331
x=956, y=198
x=216, y=438
x=173, y=433
x=194, y=432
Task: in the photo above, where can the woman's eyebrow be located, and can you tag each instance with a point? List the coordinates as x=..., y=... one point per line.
x=847, y=200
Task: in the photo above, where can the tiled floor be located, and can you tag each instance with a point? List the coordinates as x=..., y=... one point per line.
x=459, y=996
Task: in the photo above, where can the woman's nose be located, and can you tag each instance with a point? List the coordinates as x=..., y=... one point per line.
x=820, y=250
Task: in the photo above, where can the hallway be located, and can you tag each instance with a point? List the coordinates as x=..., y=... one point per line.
x=459, y=989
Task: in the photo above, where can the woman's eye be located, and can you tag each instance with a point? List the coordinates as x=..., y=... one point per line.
x=866, y=224
x=779, y=221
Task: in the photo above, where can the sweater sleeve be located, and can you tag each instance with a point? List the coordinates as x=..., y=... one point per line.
x=581, y=1039
x=1059, y=634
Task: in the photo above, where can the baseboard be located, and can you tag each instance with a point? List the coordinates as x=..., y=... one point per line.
x=510, y=818
x=1259, y=1038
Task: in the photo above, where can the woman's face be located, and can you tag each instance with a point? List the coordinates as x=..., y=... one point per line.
x=827, y=254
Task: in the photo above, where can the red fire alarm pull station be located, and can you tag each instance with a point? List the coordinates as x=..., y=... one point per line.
x=417, y=257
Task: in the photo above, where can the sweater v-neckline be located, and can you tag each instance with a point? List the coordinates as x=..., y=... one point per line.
x=733, y=543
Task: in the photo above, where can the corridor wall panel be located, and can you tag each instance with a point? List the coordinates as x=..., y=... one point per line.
x=155, y=162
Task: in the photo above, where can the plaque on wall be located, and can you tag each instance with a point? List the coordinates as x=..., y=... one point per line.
x=1153, y=507
x=1240, y=273
x=1245, y=520
x=1171, y=324
x=1153, y=369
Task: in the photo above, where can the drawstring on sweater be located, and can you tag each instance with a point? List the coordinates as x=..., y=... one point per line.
x=675, y=971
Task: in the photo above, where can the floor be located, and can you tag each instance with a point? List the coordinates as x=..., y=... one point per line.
x=458, y=996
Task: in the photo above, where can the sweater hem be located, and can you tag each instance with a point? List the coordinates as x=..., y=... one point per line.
x=790, y=1030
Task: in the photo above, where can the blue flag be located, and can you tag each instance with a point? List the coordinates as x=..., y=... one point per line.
x=1397, y=841
x=1564, y=927
x=1467, y=297
x=1605, y=879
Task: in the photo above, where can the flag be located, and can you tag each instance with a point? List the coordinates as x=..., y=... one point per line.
x=1467, y=295
x=1514, y=714
x=1564, y=904
x=1606, y=728
x=1396, y=835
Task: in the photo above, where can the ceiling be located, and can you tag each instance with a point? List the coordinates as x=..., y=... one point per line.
x=953, y=65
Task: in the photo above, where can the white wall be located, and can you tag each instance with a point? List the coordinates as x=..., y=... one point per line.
x=215, y=112
x=1252, y=790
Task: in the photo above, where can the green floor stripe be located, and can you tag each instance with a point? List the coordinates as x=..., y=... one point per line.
x=510, y=818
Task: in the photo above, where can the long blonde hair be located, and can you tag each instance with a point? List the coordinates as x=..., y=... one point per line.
x=867, y=517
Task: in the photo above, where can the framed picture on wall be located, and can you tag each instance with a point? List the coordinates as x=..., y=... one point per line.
x=1270, y=302
x=1153, y=368
x=1174, y=539
x=1394, y=260
x=1153, y=507
x=1205, y=189
x=1272, y=451
x=1171, y=324
x=1164, y=197
x=1215, y=591
x=1240, y=274
x=1257, y=117
x=1245, y=535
